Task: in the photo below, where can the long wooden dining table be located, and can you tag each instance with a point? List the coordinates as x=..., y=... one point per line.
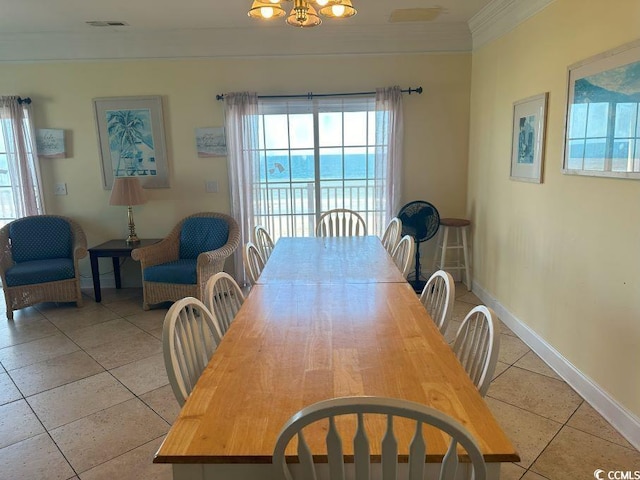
x=328, y=318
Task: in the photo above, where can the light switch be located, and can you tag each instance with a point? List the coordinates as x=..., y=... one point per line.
x=60, y=189
x=211, y=186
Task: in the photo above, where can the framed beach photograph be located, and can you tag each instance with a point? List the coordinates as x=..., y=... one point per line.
x=131, y=140
x=527, y=144
x=211, y=142
x=602, y=131
x=50, y=143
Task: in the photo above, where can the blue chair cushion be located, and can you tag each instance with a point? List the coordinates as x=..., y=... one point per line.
x=38, y=238
x=179, y=271
x=202, y=234
x=40, y=271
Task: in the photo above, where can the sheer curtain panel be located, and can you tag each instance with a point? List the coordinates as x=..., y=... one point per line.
x=389, y=141
x=20, y=163
x=241, y=126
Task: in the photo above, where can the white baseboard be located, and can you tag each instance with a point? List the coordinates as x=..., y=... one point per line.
x=618, y=416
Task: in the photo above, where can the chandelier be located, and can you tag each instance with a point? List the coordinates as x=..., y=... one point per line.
x=304, y=13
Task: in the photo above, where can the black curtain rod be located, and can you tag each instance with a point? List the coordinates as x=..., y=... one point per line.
x=24, y=100
x=311, y=95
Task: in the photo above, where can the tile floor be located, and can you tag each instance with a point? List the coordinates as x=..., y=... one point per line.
x=84, y=395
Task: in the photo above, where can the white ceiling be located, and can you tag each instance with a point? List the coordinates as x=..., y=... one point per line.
x=34, y=30
x=20, y=16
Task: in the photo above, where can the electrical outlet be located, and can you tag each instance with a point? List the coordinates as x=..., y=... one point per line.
x=211, y=186
x=60, y=189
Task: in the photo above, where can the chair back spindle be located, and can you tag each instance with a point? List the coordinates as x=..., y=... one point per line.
x=223, y=298
x=263, y=242
x=392, y=235
x=477, y=345
x=403, y=254
x=341, y=222
x=357, y=409
x=253, y=262
x=190, y=335
x=438, y=297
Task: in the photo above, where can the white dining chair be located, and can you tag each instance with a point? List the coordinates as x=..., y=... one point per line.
x=355, y=413
x=263, y=241
x=477, y=345
x=392, y=234
x=403, y=253
x=253, y=262
x=438, y=297
x=190, y=335
x=223, y=298
x=340, y=222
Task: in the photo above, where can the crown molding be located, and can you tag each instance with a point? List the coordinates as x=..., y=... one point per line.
x=500, y=17
x=248, y=42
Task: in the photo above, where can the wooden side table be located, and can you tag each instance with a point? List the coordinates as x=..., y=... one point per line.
x=115, y=249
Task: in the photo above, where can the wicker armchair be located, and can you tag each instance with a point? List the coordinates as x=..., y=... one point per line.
x=180, y=265
x=39, y=261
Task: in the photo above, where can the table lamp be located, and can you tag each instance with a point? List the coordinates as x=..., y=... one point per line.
x=128, y=191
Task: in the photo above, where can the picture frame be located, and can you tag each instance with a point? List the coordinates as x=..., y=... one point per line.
x=50, y=143
x=602, y=132
x=131, y=140
x=211, y=142
x=528, y=138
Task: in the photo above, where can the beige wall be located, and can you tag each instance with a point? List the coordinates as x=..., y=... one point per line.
x=436, y=122
x=563, y=256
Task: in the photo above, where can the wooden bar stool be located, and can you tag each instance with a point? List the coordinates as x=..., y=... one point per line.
x=459, y=226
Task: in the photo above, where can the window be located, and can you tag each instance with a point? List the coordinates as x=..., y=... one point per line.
x=7, y=205
x=315, y=156
x=292, y=159
x=20, y=193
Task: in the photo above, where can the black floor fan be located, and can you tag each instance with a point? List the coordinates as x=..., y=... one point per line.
x=420, y=220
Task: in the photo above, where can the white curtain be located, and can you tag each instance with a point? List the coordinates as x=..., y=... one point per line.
x=389, y=140
x=241, y=128
x=22, y=160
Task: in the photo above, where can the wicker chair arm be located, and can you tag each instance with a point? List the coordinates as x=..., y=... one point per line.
x=166, y=250
x=6, y=259
x=79, y=240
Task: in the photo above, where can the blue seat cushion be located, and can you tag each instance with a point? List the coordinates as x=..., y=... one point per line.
x=40, y=237
x=40, y=271
x=179, y=271
x=202, y=234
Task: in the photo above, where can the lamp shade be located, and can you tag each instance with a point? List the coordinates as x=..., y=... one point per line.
x=266, y=9
x=127, y=191
x=341, y=9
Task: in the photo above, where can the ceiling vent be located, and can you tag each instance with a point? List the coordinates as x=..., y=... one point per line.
x=416, y=14
x=107, y=23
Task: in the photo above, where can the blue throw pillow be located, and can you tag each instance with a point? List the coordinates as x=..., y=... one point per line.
x=39, y=238
x=202, y=234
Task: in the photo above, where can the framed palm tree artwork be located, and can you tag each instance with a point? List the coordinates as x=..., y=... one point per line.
x=131, y=140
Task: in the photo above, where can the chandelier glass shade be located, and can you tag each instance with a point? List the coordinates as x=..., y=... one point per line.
x=303, y=13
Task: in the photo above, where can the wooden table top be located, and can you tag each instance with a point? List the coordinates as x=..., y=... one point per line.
x=293, y=345
x=329, y=260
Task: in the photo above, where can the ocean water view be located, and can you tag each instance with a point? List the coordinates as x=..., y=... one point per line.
x=300, y=167
x=286, y=197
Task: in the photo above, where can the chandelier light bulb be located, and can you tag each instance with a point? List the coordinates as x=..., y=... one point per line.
x=338, y=10
x=303, y=13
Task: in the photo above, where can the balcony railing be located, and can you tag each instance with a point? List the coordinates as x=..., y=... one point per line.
x=290, y=210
